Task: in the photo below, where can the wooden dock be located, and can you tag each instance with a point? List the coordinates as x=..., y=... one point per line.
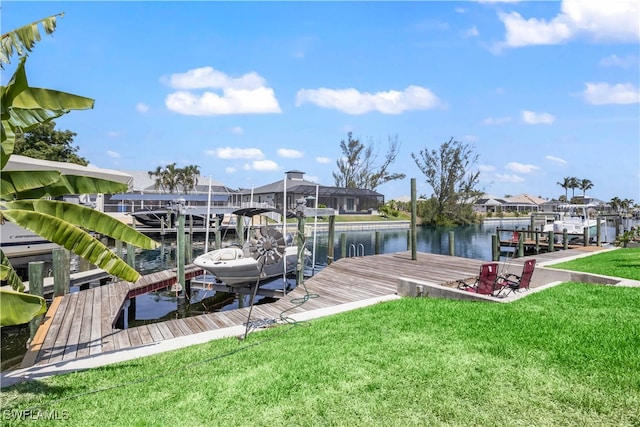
x=82, y=323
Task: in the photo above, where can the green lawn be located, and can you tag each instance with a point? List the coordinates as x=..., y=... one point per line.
x=567, y=356
x=619, y=263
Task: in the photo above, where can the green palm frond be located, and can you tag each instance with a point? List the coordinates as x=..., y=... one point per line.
x=15, y=182
x=74, y=184
x=73, y=238
x=17, y=308
x=24, y=38
x=9, y=275
x=86, y=218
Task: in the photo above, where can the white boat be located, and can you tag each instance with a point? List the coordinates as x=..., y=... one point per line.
x=16, y=242
x=573, y=218
x=266, y=254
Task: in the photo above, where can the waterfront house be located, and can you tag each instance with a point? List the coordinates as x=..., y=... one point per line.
x=342, y=200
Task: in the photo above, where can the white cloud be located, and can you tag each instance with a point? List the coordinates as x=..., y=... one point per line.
x=323, y=160
x=243, y=95
x=232, y=101
x=614, y=60
x=486, y=168
x=460, y=10
x=289, y=153
x=599, y=20
x=230, y=170
x=113, y=154
x=533, y=118
x=508, y=178
x=556, y=160
x=237, y=153
x=521, y=167
x=605, y=93
x=496, y=120
x=352, y=101
x=237, y=130
x=262, y=165
x=141, y=107
x=312, y=178
x=115, y=133
x=208, y=77
x=472, y=32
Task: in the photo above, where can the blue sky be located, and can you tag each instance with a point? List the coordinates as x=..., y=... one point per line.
x=248, y=91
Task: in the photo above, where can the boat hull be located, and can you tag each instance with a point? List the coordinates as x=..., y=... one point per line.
x=16, y=242
x=233, y=267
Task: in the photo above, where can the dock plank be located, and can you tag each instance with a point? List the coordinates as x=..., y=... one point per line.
x=65, y=329
x=77, y=324
x=95, y=345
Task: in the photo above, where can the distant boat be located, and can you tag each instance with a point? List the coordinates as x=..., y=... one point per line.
x=573, y=218
x=155, y=217
x=16, y=242
x=263, y=256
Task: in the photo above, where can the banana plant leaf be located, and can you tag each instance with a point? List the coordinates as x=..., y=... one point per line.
x=86, y=218
x=73, y=238
x=14, y=182
x=17, y=308
x=9, y=275
x=24, y=107
x=73, y=184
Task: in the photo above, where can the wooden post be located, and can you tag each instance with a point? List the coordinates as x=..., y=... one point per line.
x=537, y=242
x=377, y=243
x=119, y=248
x=565, y=239
x=551, y=238
x=414, y=221
x=521, y=245
x=495, y=247
x=585, y=236
x=131, y=255
x=60, y=272
x=598, y=231
x=343, y=245
x=218, y=233
x=187, y=249
x=532, y=226
x=451, y=243
x=181, y=254
x=300, y=242
x=36, y=287
x=240, y=228
x=330, y=239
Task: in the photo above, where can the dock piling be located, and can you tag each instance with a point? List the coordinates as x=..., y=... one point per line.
x=36, y=287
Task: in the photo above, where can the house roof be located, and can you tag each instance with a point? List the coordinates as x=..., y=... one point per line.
x=23, y=163
x=308, y=187
x=525, y=199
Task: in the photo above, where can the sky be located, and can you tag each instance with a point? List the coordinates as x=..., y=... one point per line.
x=539, y=91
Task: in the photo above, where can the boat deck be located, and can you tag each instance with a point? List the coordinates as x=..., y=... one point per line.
x=81, y=324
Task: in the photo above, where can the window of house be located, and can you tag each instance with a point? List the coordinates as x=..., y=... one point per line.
x=351, y=204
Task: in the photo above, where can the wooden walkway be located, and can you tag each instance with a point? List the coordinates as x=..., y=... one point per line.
x=82, y=323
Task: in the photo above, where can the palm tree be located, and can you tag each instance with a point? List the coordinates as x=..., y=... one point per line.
x=573, y=184
x=585, y=184
x=157, y=185
x=565, y=184
x=615, y=203
x=26, y=197
x=189, y=177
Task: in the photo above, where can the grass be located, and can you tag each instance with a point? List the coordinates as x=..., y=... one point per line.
x=566, y=356
x=619, y=263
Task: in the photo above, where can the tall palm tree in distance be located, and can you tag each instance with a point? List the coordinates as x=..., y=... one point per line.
x=585, y=184
x=565, y=184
